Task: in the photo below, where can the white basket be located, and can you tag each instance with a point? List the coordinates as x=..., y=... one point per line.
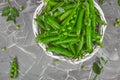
x=73, y=61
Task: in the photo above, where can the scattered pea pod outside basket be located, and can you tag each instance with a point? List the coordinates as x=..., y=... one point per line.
x=70, y=31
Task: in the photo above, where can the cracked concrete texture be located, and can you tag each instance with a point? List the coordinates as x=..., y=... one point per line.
x=34, y=64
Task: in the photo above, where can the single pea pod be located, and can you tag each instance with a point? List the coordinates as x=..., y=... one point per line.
x=79, y=21
x=48, y=8
x=92, y=13
x=57, y=14
x=14, y=69
x=64, y=45
x=88, y=28
x=52, y=22
x=43, y=35
x=88, y=38
x=53, y=3
x=87, y=13
x=100, y=21
x=66, y=14
x=69, y=6
x=50, y=39
x=68, y=40
x=57, y=6
x=72, y=48
x=66, y=8
x=40, y=24
x=97, y=12
x=40, y=17
x=81, y=43
x=73, y=22
x=60, y=50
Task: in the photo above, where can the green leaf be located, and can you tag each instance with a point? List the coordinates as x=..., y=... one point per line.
x=14, y=12
x=11, y=18
x=6, y=11
x=96, y=68
x=119, y=2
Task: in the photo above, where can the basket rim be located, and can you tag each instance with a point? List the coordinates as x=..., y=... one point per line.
x=72, y=61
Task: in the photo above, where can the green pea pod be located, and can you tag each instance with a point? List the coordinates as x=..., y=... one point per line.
x=53, y=3
x=81, y=43
x=60, y=50
x=49, y=39
x=97, y=12
x=69, y=6
x=71, y=15
x=43, y=35
x=14, y=69
x=79, y=21
x=50, y=4
x=88, y=38
x=40, y=24
x=72, y=48
x=57, y=13
x=68, y=40
x=52, y=22
x=64, y=45
x=100, y=21
x=96, y=36
x=99, y=43
x=66, y=14
x=57, y=6
x=40, y=17
x=92, y=13
x=88, y=28
x=87, y=13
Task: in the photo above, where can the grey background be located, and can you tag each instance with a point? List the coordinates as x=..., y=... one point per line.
x=35, y=65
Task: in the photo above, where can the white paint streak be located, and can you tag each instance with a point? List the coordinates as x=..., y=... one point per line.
x=27, y=52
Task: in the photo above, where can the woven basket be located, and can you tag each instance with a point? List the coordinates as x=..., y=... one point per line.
x=53, y=55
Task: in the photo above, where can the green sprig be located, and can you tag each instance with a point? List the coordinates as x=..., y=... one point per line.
x=98, y=66
x=10, y=12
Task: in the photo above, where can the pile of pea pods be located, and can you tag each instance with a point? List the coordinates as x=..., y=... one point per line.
x=69, y=27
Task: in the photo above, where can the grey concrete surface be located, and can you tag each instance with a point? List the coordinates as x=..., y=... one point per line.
x=34, y=64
